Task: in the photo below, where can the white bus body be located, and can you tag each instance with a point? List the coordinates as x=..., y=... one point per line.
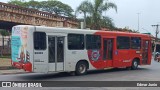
x=50, y=49
x=25, y=56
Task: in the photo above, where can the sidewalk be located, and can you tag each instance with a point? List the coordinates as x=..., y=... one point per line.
x=11, y=71
x=5, y=63
x=6, y=68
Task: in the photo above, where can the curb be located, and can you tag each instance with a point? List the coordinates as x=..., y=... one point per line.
x=7, y=67
x=12, y=71
x=9, y=73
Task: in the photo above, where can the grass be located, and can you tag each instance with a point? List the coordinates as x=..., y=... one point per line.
x=5, y=56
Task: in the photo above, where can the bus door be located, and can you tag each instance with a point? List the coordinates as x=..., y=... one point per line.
x=145, y=50
x=56, y=53
x=108, y=51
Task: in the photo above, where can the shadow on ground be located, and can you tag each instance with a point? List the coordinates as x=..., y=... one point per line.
x=34, y=76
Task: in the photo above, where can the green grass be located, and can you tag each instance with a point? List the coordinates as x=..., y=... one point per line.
x=5, y=56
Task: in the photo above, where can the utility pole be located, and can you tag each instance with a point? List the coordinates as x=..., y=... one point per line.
x=157, y=31
x=156, y=40
x=138, y=21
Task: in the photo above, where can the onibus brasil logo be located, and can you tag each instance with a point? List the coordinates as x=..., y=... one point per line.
x=21, y=84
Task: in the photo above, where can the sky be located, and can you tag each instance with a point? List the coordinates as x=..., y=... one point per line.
x=148, y=12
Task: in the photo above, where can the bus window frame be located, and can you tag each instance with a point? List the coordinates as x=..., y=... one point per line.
x=139, y=45
x=75, y=34
x=91, y=45
x=40, y=40
x=123, y=48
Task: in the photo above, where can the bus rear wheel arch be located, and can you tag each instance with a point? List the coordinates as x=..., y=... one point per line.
x=81, y=67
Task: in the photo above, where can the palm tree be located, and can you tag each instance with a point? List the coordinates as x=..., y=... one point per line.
x=83, y=8
x=95, y=11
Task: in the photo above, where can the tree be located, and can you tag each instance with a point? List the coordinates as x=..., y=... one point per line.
x=95, y=10
x=57, y=7
x=83, y=8
x=107, y=22
x=21, y=3
x=51, y=6
x=33, y=4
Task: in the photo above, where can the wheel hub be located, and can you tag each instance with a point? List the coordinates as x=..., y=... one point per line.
x=82, y=68
x=135, y=64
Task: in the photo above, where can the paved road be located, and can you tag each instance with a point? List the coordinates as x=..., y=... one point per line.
x=144, y=73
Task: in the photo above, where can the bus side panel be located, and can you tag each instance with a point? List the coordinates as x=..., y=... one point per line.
x=40, y=54
x=121, y=56
x=73, y=57
x=30, y=48
x=135, y=53
x=21, y=49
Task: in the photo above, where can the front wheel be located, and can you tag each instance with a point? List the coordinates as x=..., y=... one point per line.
x=134, y=64
x=81, y=68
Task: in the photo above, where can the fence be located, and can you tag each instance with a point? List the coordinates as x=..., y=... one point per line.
x=5, y=46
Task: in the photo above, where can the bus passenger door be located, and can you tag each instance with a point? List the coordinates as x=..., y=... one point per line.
x=56, y=53
x=108, y=51
x=145, y=50
x=60, y=54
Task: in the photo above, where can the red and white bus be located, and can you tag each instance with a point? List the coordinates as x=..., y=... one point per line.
x=50, y=49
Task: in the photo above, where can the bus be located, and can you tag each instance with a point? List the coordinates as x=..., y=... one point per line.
x=49, y=49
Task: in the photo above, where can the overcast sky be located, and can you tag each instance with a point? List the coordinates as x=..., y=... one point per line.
x=127, y=15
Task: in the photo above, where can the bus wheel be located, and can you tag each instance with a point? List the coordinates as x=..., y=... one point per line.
x=81, y=68
x=134, y=64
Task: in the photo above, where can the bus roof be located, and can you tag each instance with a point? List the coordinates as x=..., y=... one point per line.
x=102, y=32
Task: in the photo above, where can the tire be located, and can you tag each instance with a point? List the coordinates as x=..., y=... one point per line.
x=81, y=68
x=134, y=64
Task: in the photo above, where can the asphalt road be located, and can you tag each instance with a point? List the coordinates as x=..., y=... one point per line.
x=144, y=73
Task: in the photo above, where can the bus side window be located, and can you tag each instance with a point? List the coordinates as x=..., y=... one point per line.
x=93, y=41
x=123, y=42
x=135, y=42
x=39, y=40
x=75, y=41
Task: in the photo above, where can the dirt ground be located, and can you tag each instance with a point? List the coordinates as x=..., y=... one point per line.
x=5, y=62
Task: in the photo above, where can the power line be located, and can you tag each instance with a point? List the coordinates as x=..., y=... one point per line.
x=146, y=30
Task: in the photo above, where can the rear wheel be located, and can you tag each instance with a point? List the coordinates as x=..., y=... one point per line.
x=81, y=68
x=134, y=64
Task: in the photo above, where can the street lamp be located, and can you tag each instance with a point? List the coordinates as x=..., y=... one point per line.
x=84, y=21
